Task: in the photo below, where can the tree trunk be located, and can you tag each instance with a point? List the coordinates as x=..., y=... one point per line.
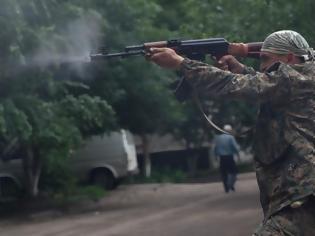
x=191, y=159
x=146, y=155
x=32, y=170
x=211, y=159
x=192, y=162
x=211, y=163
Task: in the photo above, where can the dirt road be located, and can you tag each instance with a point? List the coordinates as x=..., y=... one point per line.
x=158, y=210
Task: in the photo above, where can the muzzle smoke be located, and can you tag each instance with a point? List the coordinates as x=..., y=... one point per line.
x=71, y=46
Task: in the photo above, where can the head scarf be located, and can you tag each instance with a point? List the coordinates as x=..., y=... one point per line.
x=288, y=41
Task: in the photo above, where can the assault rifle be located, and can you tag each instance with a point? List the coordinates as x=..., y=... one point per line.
x=193, y=49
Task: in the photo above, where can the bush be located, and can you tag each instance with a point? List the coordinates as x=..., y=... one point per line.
x=80, y=193
x=94, y=193
x=59, y=183
x=57, y=177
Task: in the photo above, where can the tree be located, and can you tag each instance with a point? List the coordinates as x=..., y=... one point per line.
x=143, y=104
x=43, y=116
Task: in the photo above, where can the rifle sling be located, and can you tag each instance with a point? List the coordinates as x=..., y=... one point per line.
x=209, y=121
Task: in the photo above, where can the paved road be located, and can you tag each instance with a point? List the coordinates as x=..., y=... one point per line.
x=157, y=210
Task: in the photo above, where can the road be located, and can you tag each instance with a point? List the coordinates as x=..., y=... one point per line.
x=157, y=210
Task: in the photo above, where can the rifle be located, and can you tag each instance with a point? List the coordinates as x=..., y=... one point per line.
x=193, y=49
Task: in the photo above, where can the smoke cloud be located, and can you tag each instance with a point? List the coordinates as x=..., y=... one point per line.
x=72, y=45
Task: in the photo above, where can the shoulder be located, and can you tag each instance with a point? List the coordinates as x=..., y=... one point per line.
x=231, y=137
x=292, y=71
x=227, y=137
x=220, y=137
x=285, y=73
x=306, y=69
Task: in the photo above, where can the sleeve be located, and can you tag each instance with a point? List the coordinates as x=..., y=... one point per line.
x=235, y=146
x=248, y=70
x=212, y=82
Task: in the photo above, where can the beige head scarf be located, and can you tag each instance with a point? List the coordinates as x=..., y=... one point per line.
x=288, y=41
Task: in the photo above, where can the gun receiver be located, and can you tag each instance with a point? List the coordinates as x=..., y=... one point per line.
x=193, y=49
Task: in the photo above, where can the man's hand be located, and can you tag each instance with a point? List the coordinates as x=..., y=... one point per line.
x=229, y=62
x=165, y=57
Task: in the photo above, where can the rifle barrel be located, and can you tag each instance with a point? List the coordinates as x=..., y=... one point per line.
x=102, y=56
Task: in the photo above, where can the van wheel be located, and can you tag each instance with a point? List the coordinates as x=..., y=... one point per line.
x=104, y=179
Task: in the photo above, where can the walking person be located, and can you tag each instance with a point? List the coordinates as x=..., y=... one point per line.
x=225, y=150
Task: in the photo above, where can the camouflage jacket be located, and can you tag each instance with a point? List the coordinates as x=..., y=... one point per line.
x=284, y=143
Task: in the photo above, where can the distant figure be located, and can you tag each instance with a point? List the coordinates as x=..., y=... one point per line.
x=225, y=147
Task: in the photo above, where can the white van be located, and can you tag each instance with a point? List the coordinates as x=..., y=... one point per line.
x=102, y=160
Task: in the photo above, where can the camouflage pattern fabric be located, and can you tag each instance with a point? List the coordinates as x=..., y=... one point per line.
x=290, y=222
x=284, y=142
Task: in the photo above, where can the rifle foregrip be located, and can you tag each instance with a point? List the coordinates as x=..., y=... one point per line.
x=158, y=44
x=245, y=49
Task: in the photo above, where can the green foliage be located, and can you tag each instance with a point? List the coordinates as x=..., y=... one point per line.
x=79, y=194
x=39, y=110
x=57, y=177
x=91, y=115
x=59, y=183
x=94, y=193
x=15, y=122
